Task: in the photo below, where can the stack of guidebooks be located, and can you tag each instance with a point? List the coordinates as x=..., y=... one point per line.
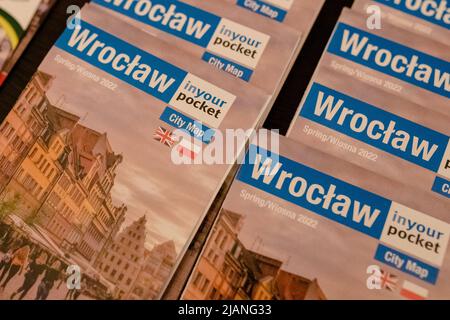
x=109, y=159
x=354, y=203
x=134, y=162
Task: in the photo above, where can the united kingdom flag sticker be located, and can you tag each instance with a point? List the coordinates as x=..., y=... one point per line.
x=388, y=281
x=165, y=137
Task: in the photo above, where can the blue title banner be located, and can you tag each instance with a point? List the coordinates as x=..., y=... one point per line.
x=194, y=128
x=376, y=127
x=407, y=264
x=441, y=186
x=315, y=191
x=391, y=58
x=263, y=8
x=122, y=60
x=226, y=65
x=434, y=11
x=171, y=16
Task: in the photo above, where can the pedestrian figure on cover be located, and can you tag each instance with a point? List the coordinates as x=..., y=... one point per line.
x=52, y=274
x=35, y=269
x=5, y=262
x=19, y=260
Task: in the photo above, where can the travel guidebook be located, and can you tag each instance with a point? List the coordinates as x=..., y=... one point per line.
x=301, y=224
x=18, y=23
x=426, y=18
x=380, y=131
x=392, y=59
x=232, y=39
x=93, y=157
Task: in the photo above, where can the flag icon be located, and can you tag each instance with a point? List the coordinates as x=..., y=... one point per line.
x=388, y=281
x=166, y=137
x=188, y=149
x=412, y=291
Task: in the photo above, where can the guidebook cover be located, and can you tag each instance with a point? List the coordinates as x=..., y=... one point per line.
x=15, y=17
x=377, y=130
x=230, y=38
x=426, y=18
x=299, y=224
x=36, y=21
x=392, y=59
x=88, y=177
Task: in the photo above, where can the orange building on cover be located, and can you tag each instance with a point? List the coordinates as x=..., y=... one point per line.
x=62, y=171
x=57, y=175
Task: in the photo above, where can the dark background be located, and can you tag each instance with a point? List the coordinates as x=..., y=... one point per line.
x=283, y=110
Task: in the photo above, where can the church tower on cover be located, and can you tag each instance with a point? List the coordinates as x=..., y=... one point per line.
x=122, y=262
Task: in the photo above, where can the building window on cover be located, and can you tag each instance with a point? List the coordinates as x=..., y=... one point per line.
x=223, y=243
x=219, y=236
x=4, y=126
x=33, y=153
x=197, y=279
x=205, y=286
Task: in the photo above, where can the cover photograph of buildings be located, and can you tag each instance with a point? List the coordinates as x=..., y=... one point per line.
x=62, y=204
